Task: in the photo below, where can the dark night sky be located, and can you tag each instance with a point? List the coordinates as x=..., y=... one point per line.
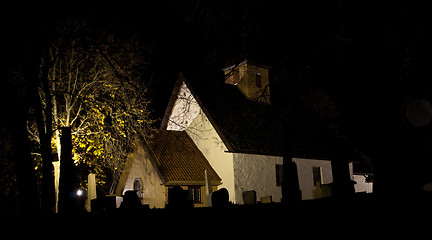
x=370, y=59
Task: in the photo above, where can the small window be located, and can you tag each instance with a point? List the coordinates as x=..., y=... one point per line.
x=195, y=193
x=258, y=80
x=317, y=176
x=279, y=174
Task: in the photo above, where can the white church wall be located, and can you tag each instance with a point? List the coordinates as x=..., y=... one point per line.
x=240, y=172
x=305, y=174
x=256, y=172
x=210, y=144
x=361, y=184
x=188, y=115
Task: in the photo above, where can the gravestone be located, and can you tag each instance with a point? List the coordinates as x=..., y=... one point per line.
x=220, y=198
x=91, y=191
x=178, y=198
x=249, y=197
x=266, y=199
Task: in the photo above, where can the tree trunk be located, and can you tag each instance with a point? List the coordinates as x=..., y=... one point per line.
x=342, y=185
x=68, y=183
x=44, y=123
x=48, y=196
x=291, y=192
x=58, y=146
x=290, y=185
x=28, y=199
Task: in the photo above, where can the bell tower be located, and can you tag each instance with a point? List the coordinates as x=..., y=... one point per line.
x=251, y=79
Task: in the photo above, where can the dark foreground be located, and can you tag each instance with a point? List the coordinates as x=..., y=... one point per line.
x=359, y=218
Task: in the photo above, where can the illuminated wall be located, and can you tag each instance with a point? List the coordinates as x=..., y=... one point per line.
x=184, y=111
x=187, y=115
x=256, y=172
x=361, y=184
x=240, y=172
x=209, y=143
x=141, y=167
x=306, y=178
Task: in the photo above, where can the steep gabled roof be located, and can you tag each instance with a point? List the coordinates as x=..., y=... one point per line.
x=257, y=128
x=178, y=160
x=247, y=126
x=243, y=125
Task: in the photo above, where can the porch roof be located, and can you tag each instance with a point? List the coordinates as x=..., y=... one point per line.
x=178, y=159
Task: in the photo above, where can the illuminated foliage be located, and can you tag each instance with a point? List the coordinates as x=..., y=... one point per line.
x=97, y=88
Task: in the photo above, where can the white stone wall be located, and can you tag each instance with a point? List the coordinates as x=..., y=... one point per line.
x=256, y=172
x=305, y=174
x=210, y=144
x=362, y=185
x=241, y=172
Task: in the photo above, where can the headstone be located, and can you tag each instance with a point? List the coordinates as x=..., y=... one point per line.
x=91, y=191
x=249, y=197
x=130, y=201
x=178, y=198
x=266, y=199
x=208, y=189
x=207, y=182
x=321, y=191
x=209, y=198
x=220, y=198
x=106, y=203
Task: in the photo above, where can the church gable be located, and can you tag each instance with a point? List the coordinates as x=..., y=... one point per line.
x=168, y=158
x=141, y=176
x=183, y=108
x=172, y=158
x=243, y=125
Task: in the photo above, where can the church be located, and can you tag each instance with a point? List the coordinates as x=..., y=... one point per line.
x=233, y=131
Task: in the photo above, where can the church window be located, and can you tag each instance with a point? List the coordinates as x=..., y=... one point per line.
x=258, y=81
x=317, y=175
x=138, y=187
x=195, y=193
x=279, y=174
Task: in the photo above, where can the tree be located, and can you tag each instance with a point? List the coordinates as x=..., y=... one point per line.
x=94, y=84
x=26, y=44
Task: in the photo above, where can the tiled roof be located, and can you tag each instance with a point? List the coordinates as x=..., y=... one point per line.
x=253, y=127
x=256, y=128
x=179, y=160
x=249, y=127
